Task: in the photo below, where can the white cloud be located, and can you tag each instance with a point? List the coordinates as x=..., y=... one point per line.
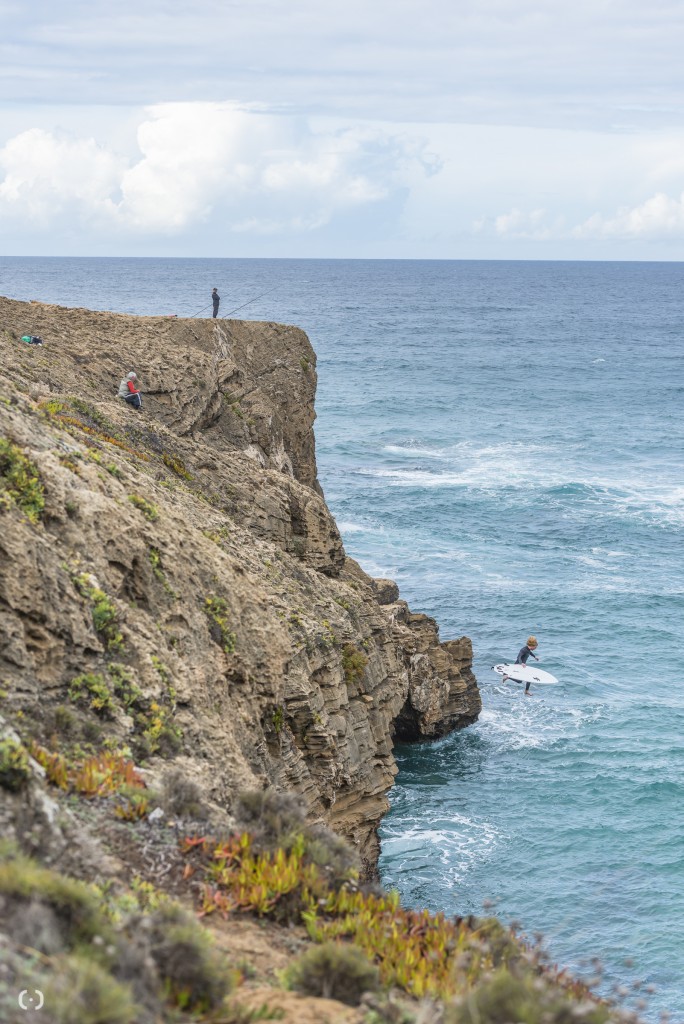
x=535, y=62
x=236, y=167
x=230, y=179
x=47, y=175
x=659, y=217
x=536, y=225
x=517, y=224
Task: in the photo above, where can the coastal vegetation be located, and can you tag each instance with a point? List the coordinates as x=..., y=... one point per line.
x=173, y=758
x=14, y=764
x=357, y=944
x=104, y=612
x=20, y=482
x=216, y=609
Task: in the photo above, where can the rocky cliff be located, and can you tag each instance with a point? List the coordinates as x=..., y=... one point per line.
x=175, y=576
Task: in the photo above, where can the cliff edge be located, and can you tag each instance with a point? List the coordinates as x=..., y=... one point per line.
x=173, y=583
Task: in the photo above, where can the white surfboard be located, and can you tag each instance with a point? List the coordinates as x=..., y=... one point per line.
x=526, y=674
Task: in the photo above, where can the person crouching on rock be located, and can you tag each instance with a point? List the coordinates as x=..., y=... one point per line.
x=129, y=392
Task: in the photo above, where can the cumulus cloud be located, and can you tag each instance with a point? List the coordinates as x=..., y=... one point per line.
x=535, y=225
x=659, y=217
x=521, y=225
x=46, y=175
x=236, y=167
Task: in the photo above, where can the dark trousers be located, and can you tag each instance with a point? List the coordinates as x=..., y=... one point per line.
x=215, y=313
x=134, y=400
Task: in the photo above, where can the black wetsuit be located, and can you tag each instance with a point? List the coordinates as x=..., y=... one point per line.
x=523, y=655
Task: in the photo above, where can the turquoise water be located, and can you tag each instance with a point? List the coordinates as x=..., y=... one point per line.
x=505, y=440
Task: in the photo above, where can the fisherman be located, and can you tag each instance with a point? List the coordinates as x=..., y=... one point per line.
x=215, y=298
x=524, y=653
x=129, y=392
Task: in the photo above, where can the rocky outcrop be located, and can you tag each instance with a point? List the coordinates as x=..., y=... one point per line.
x=226, y=599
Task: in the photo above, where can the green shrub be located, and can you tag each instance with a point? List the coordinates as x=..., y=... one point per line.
x=175, y=464
x=503, y=948
x=20, y=482
x=158, y=731
x=93, y=417
x=105, y=620
x=92, y=732
x=75, y=905
x=154, y=725
x=279, y=820
x=353, y=664
x=109, y=955
x=123, y=686
x=14, y=765
x=182, y=796
x=528, y=1000
x=92, y=689
x=66, y=722
x=216, y=609
x=82, y=992
x=336, y=859
x=104, y=611
x=193, y=973
x=272, y=819
x=334, y=971
x=154, y=556
x=53, y=406
x=149, y=510
x=90, y=422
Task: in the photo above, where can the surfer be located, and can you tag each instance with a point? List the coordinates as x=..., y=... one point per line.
x=524, y=653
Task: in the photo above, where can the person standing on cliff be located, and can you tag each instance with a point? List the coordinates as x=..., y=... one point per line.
x=523, y=654
x=215, y=298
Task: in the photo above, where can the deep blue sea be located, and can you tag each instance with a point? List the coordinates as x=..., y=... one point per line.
x=506, y=440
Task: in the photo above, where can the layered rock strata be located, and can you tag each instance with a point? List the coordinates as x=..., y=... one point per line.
x=231, y=602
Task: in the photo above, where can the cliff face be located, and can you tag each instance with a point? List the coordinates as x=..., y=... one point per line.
x=185, y=553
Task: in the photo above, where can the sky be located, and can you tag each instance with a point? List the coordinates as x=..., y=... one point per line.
x=426, y=129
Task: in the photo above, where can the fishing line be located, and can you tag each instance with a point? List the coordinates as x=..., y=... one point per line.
x=191, y=315
x=249, y=301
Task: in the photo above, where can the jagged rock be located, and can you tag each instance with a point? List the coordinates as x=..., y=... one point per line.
x=201, y=519
x=386, y=591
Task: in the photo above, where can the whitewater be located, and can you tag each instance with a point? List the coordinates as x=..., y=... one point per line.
x=505, y=440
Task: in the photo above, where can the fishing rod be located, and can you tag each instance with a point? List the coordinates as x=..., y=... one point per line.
x=249, y=302
x=199, y=311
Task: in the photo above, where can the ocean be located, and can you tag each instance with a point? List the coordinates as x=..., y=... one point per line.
x=505, y=439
